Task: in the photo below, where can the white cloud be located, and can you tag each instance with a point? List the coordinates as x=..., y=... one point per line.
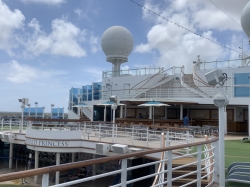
x=175, y=45
x=78, y=11
x=94, y=43
x=64, y=39
x=49, y=2
x=15, y=72
x=10, y=21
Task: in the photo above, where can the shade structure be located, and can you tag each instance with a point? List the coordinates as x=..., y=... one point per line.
x=153, y=104
x=107, y=103
x=82, y=105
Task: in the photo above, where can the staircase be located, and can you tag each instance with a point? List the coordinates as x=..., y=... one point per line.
x=185, y=170
x=188, y=82
x=83, y=116
x=164, y=79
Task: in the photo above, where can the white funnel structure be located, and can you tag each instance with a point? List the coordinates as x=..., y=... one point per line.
x=245, y=19
x=117, y=44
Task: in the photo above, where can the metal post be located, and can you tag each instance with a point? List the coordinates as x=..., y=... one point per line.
x=36, y=166
x=221, y=146
x=73, y=157
x=94, y=166
x=225, y=126
x=147, y=136
x=10, y=156
x=133, y=128
x=121, y=111
x=181, y=111
x=113, y=132
x=167, y=143
x=57, y=163
x=105, y=113
x=150, y=112
x=199, y=165
x=10, y=125
x=124, y=173
x=169, y=177
x=21, y=128
x=45, y=180
x=2, y=125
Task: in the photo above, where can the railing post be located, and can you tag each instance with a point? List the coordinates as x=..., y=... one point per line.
x=2, y=125
x=187, y=141
x=45, y=180
x=133, y=134
x=116, y=132
x=84, y=130
x=113, y=133
x=169, y=178
x=100, y=131
x=147, y=136
x=167, y=139
x=10, y=124
x=124, y=173
x=199, y=165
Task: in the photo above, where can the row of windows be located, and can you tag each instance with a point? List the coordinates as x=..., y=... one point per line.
x=242, y=85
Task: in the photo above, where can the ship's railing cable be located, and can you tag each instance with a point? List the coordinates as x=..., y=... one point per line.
x=193, y=32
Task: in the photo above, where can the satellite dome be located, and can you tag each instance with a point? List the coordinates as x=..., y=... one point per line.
x=117, y=43
x=245, y=19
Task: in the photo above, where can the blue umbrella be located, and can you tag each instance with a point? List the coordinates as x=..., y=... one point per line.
x=153, y=104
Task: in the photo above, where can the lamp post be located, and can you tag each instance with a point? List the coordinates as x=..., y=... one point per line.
x=43, y=110
x=24, y=102
x=217, y=78
x=52, y=105
x=36, y=103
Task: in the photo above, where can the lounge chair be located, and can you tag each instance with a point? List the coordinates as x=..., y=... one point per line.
x=238, y=164
x=241, y=178
x=241, y=170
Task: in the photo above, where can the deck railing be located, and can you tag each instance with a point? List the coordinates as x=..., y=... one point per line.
x=167, y=171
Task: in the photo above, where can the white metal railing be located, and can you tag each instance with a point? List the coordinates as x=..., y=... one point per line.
x=13, y=125
x=234, y=63
x=167, y=171
x=134, y=72
x=133, y=135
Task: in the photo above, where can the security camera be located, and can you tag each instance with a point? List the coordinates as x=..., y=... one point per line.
x=113, y=99
x=216, y=77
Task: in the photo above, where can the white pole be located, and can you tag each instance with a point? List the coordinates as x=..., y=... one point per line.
x=22, y=119
x=36, y=166
x=125, y=111
x=166, y=112
x=36, y=111
x=10, y=155
x=105, y=113
x=150, y=112
x=121, y=111
x=221, y=146
x=181, y=111
x=225, y=126
x=57, y=163
x=29, y=110
x=73, y=157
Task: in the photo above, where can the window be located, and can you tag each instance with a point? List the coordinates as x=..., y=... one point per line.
x=241, y=85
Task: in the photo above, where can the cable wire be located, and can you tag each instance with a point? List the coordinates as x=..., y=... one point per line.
x=155, y=13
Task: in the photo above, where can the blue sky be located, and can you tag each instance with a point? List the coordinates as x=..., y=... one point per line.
x=49, y=46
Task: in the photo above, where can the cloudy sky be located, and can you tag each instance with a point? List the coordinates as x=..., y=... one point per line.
x=49, y=46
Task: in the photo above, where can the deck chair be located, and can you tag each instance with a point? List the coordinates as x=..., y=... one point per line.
x=241, y=178
x=238, y=164
x=241, y=170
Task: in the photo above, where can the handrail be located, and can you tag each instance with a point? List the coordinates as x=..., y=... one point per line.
x=63, y=167
x=149, y=78
x=201, y=80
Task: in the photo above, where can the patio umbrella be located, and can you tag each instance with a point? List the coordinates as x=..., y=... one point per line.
x=153, y=104
x=107, y=103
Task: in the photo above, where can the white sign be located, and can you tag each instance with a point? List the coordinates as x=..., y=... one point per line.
x=47, y=143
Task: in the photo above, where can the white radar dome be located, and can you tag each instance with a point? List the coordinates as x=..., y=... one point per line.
x=245, y=19
x=117, y=43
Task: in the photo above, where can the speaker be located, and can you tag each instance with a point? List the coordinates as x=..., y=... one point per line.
x=118, y=148
x=101, y=148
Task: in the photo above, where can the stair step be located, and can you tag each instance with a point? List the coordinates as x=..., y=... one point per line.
x=178, y=173
x=180, y=182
